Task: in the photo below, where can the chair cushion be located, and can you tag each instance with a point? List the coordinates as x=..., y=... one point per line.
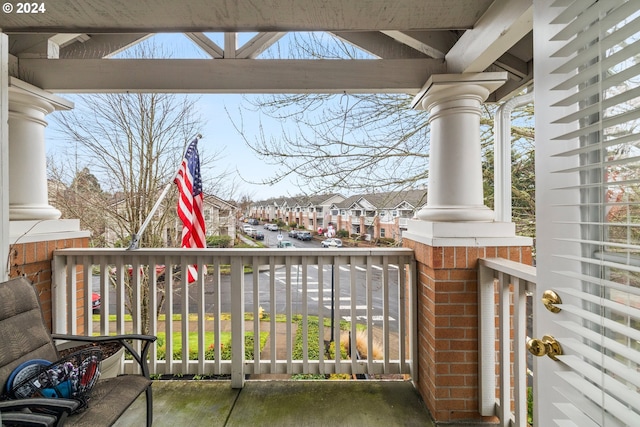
x=23, y=333
x=109, y=399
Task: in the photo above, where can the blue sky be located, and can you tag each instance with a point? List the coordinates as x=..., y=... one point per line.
x=218, y=132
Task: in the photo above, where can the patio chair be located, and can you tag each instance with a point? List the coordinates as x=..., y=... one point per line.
x=24, y=336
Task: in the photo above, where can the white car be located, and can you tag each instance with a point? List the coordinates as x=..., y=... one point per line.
x=332, y=243
x=272, y=227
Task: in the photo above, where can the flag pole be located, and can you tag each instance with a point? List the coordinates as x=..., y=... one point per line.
x=135, y=238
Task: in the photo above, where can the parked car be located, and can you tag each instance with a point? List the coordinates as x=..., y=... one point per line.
x=293, y=233
x=331, y=243
x=272, y=227
x=258, y=235
x=95, y=301
x=253, y=221
x=249, y=231
x=285, y=244
x=303, y=235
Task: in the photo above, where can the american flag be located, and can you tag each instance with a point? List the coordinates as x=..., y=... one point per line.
x=190, y=198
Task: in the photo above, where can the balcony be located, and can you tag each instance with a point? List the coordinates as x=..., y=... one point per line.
x=362, y=297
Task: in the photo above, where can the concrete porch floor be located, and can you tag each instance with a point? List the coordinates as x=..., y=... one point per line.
x=281, y=403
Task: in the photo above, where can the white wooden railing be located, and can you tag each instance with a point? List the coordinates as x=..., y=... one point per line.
x=373, y=290
x=504, y=290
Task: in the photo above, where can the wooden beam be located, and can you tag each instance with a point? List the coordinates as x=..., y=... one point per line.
x=231, y=75
x=505, y=23
x=100, y=16
x=206, y=44
x=258, y=44
x=431, y=43
x=378, y=44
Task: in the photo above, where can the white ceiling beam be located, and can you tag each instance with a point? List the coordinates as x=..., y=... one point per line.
x=230, y=45
x=231, y=76
x=258, y=44
x=63, y=40
x=502, y=26
x=514, y=65
x=100, y=16
x=101, y=45
x=206, y=44
x=433, y=50
x=378, y=44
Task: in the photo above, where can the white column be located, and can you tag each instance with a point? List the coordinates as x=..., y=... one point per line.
x=28, y=106
x=4, y=155
x=455, y=164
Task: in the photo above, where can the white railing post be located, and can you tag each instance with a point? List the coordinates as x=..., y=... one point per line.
x=237, y=322
x=59, y=295
x=486, y=340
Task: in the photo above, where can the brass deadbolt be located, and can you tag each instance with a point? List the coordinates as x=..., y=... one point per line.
x=547, y=345
x=549, y=299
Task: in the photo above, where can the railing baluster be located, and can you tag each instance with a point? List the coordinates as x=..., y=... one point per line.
x=402, y=321
x=87, y=290
x=505, y=345
x=321, y=264
x=353, y=315
x=201, y=315
x=336, y=309
x=72, y=271
x=184, y=314
x=288, y=314
x=272, y=323
x=305, y=315
x=385, y=313
x=168, y=321
x=256, y=315
x=520, y=362
x=216, y=317
x=369, y=290
x=237, y=322
x=153, y=311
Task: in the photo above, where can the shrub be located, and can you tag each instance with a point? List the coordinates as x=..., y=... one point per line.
x=219, y=241
x=342, y=234
x=386, y=241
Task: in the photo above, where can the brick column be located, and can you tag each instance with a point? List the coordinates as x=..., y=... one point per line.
x=447, y=311
x=31, y=253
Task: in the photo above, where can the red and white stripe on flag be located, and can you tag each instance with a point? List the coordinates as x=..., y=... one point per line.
x=190, y=199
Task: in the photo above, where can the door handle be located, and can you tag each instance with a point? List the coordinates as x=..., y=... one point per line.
x=550, y=298
x=545, y=346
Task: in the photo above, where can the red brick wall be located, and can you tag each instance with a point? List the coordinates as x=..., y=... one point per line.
x=33, y=260
x=448, y=325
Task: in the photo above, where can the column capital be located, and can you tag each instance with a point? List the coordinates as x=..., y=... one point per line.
x=445, y=86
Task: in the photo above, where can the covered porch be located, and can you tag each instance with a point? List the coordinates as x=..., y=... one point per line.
x=457, y=301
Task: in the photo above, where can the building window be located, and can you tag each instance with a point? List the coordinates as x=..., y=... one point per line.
x=382, y=233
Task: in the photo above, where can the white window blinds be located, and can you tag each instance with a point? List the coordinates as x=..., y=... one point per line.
x=601, y=85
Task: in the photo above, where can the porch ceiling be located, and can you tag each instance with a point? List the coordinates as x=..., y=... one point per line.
x=66, y=47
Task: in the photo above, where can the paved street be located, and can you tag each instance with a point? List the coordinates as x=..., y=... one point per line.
x=344, y=295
